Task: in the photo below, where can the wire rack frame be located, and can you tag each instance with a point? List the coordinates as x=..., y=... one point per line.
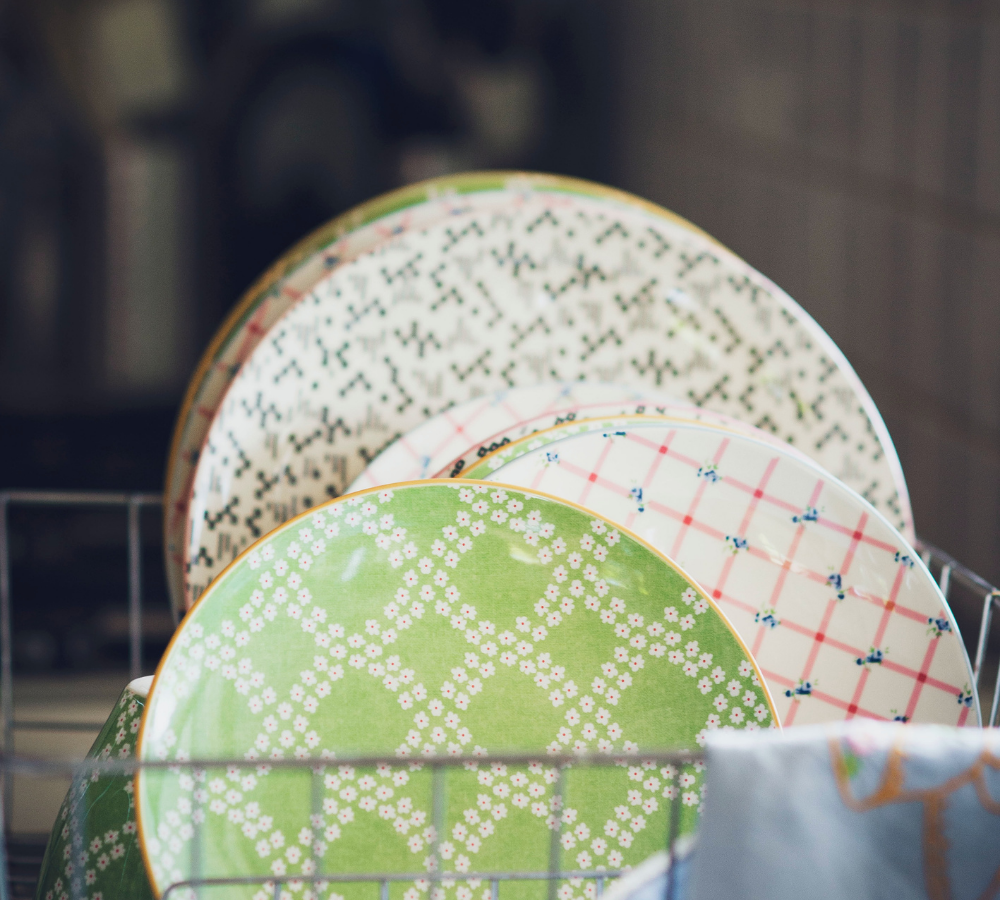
x=86, y=770
x=950, y=570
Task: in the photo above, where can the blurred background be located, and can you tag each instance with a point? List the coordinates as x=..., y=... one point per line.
x=157, y=155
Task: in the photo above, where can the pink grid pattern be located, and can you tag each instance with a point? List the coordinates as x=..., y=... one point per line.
x=425, y=450
x=649, y=407
x=592, y=469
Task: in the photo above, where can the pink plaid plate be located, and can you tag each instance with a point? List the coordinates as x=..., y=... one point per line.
x=841, y=614
x=425, y=450
x=549, y=427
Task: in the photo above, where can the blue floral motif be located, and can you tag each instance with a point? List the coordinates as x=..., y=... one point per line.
x=938, y=625
x=811, y=514
x=898, y=716
x=837, y=583
x=965, y=697
x=802, y=689
x=709, y=473
x=636, y=493
x=874, y=657
x=551, y=458
x=904, y=559
x=736, y=543
x=768, y=618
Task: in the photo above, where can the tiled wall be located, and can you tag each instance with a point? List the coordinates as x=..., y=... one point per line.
x=851, y=152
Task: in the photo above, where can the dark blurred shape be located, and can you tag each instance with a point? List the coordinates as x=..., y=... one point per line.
x=155, y=157
x=51, y=195
x=851, y=152
x=311, y=108
x=294, y=133
x=105, y=449
x=69, y=583
x=35, y=650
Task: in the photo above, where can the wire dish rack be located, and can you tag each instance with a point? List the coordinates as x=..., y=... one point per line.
x=21, y=855
x=431, y=877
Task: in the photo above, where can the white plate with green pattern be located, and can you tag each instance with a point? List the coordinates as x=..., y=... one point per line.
x=428, y=619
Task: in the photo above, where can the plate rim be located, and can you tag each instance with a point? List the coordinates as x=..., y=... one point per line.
x=654, y=418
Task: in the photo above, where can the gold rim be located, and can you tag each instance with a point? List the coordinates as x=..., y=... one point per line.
x=652, y=419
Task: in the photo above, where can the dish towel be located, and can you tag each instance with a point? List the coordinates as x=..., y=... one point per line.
x=853, y=810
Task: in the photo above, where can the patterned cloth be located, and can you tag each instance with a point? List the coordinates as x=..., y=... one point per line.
x=860, y=810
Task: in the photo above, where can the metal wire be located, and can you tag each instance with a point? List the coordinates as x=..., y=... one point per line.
x=82, y=771
x=37, y=767
x=133, y=502
x=6, y=655
x=134, y=588
x=953, y=571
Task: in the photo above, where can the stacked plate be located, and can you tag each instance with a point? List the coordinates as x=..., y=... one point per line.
x=514, y=463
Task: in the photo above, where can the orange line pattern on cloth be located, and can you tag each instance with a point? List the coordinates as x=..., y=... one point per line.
x=935, y=801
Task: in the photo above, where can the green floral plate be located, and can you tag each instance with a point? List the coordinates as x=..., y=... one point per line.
x=93, y=852
x=424, y=620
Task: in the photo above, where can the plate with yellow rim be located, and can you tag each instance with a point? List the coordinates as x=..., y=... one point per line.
x=839, y=611
x=481, y=459
x=293, y=275
x=465, y=427
x=554, y=287
x=427, y=619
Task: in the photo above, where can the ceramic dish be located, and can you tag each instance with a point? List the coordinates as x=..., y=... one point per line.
x=435, y=618
x=94, y=847
x=579, y=291
x=840, y=613
x=435, y=443
x=504, y=452
x=554, y=427
x=363, y=228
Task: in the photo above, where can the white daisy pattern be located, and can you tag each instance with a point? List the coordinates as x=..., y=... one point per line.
x=459, y=619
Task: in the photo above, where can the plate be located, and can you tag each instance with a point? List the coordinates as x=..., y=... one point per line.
x=429, y=619
x=558, y=288
x=435, y=443
x=98, y=854
x=363, y=228
x=483, y=458
x=840, y=613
